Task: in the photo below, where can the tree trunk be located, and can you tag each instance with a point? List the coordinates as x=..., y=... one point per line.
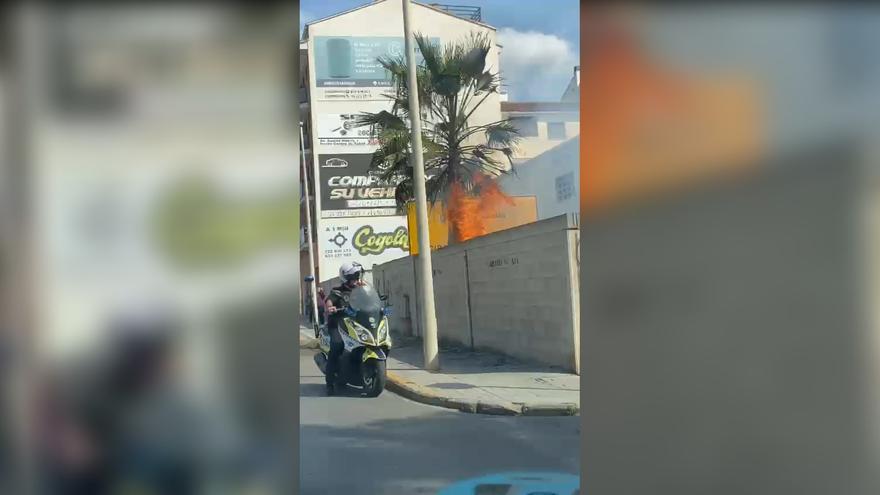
x=453, y=232
x=451, y=227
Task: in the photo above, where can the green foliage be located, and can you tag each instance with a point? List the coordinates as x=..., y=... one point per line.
x=453, y=82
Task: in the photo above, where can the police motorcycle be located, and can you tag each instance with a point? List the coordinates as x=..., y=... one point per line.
x=366, y=339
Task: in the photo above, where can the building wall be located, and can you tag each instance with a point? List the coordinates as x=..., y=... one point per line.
x=383, y=18
x=512, y=291
x=532, y=146
x=572, y=92
x=538, y=177
x=452, y=292
x=396, y=280
x=525, y=307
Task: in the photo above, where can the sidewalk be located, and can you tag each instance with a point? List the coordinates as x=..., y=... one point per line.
x=478, y=382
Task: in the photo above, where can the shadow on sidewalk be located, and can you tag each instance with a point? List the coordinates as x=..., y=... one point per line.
x=456, y=359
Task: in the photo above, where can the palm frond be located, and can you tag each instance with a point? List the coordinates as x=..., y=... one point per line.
x=454, y=81
x=501, y=134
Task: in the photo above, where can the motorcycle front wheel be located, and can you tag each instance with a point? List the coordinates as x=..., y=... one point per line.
x=373, y=372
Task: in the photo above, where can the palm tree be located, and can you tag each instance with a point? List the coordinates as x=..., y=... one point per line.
x=459, y=155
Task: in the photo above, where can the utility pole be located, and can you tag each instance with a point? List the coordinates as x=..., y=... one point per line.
x=305, y=167
x=425, y=270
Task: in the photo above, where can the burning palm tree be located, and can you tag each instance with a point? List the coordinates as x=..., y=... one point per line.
x=460, y=156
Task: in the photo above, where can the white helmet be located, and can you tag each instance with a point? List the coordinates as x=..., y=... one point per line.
x=350, y=271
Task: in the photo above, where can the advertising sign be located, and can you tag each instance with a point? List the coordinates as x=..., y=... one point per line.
x=365, y=240
x=347, y=67
x=348, y=188
x=524, y=210
x=339, y=131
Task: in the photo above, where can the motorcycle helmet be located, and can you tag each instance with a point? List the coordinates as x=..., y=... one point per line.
x=350, y=271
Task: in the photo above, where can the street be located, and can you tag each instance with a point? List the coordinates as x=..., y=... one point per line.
x=392, y=446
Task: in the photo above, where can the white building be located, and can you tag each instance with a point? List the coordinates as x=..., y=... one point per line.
x=573, y=91
x=341, y=78
x=547, y=165
x=553, y=177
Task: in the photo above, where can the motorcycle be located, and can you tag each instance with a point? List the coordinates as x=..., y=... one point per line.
x=366, y=340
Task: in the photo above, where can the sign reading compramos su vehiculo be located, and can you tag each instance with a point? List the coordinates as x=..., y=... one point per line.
x=349, y=188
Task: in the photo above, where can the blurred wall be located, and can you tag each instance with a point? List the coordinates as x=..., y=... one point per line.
x=138, y=103
x=818, y=66
x=159, y=156
x=724, y=337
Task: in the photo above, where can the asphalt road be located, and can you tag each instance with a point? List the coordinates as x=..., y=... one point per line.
x=392, y=446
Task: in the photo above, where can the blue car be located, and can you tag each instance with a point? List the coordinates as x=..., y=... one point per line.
x=517, y=484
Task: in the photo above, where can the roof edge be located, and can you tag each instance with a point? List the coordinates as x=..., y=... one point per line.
x=435, y=9
x=305, y=33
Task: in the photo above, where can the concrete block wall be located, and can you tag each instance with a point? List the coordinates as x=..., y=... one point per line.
x=395, y=279
x=521, y=298
x=513, y=291
x=452, y=296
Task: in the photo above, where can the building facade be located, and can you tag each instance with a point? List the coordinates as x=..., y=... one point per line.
x=547, y=164
x=355, y=214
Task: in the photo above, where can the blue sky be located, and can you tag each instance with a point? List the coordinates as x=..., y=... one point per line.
x=540, y=38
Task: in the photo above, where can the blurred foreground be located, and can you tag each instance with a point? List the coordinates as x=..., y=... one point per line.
x=730, y=297
x=148, y=220
x=730, y=308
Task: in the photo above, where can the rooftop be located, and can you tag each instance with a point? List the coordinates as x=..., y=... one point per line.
x=463, y=11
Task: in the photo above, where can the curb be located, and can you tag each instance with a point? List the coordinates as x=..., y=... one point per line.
x=425, y=395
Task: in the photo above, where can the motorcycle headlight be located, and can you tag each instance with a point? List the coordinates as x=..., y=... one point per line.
x=363, y=334
x=382, y=333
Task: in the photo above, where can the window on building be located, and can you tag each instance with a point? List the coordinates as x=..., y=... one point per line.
x=565, y=187
x=528, y=127
x=556, y=130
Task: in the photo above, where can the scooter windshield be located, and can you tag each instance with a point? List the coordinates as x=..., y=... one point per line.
x=365, y=299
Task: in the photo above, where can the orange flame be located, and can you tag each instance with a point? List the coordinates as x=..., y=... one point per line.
x=468, y=211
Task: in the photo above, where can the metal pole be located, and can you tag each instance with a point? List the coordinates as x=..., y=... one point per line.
x=302, y=147
x=425, y=272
